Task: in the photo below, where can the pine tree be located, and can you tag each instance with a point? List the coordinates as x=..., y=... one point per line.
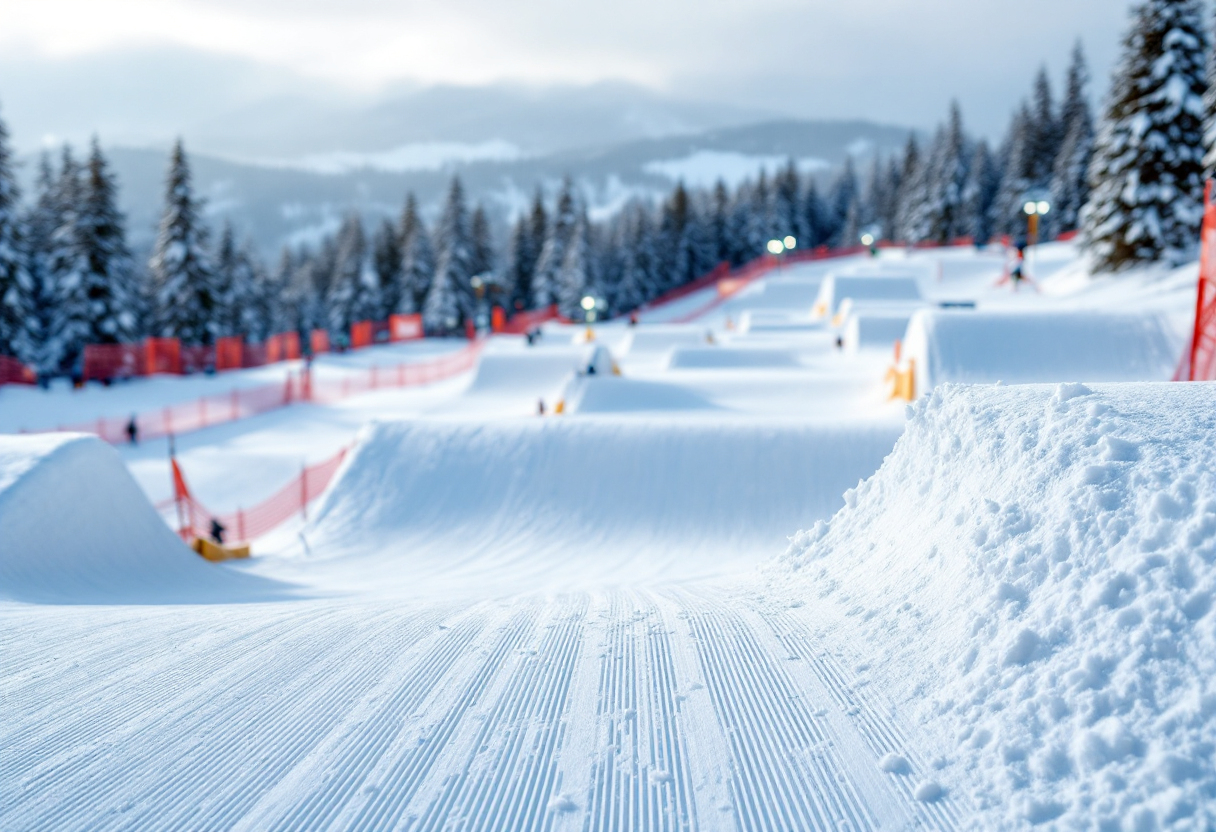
x=482, y=242
x=1046, y=134
x=41, y=221
x=450, y=300
x=817, y=227
x=354, y=293
x=386, y=256
x=257, y=315
x=787, y=187
x=18, y=296
x=69, y=322
x=232, y=281
x=1147, y=198
x=417, y=260
x=841, y=196
x=181, y=268
x=943, y=216
x=576, y=278
x=1017, y=182
x=1069, y=181
x=553, y=252
x=979, y=194
x=911, y=190
x=719, y=218
x=112, y=282
x=634, y=281
x=1209, y=110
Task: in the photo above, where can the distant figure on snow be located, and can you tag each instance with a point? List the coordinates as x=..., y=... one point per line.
x=133, y=431
x=217, y=531
x=540, y=407
x=633, y=318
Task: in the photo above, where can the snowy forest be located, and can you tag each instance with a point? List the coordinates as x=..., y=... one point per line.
x=1130, y=181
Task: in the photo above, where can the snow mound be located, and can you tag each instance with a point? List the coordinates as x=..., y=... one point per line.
x=768, y=321
x=787, y=293
x=1028, y=347
x=874, y=330
x=75, y=528
x=610, y=394
x=1033, y=571
x=517, y=505
x=865, y=287
x=530, y=371
x=658, y=338
x=720, y=358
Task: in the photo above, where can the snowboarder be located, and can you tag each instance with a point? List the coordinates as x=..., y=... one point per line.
x=540, y=407
x=633, y=318
x=133, y=431
x=217, y=531
x=1016, y=274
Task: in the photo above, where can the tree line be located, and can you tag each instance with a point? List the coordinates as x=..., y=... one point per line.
x=1132, y=186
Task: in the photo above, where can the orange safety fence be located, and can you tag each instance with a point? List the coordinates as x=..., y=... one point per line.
x=245, y=524
x=13, y=371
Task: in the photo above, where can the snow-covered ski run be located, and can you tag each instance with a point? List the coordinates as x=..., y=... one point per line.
x=609, y=618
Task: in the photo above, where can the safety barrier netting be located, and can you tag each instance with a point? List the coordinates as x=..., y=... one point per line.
x=1199, y=359
x=194, y=519
x=302, y=386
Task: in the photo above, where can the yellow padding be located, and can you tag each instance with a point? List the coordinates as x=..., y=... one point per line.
x=903, y=382
x=837, y=319
x=616, y=369
x=560, y=407
x=590, y=335
x=215, y=553
x=820, y=309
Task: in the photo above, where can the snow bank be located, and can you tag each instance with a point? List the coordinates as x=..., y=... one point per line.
x=1026, y=347
x=719, y=358
x=516, y=505
x=75, y=528
x=528, y=371
x=768, y=321
x=1032, y=571
x=796, y=294
x=864, y=287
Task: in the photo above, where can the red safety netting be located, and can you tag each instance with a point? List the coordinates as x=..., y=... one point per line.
x=524, y=322
x=245, y=524
x=405, y=327
x=361, y=334
x=242, y=403
x=328, y=390
x=13, y=371
x=1199, y=360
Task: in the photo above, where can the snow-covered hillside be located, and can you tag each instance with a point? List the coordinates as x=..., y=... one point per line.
x=584, y=620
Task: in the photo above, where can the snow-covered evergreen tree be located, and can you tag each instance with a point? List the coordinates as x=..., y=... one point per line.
x=417, y=260
x=257, y=313
x=19, y=326
x=979, y=194
x=553, y=252
x=1209, y=108
x=386, y=263
x=482, y=242
x=450, y=299
x=576, y=277
x=1069, y=181
x=41, y=221
x=1017, y=181
x=354, y=293
x=944, y=212
x=181, y=268
x=911, y=198
x=1147, y=199
x=634, y=281
x=69, y=323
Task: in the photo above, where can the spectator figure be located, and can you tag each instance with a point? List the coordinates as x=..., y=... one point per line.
x=540, y=407
x=217, y=531
x=133, y=430
x=633, y=318
x=1017, y=273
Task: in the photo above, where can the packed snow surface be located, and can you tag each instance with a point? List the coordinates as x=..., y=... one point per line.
x=1032, y=572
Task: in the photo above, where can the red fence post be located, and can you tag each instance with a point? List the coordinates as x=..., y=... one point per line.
x=240, y=524
x=236, y=406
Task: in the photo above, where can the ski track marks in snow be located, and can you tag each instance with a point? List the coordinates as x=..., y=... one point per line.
x=622, y=709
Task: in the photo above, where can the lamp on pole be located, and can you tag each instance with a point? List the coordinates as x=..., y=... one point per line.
x=778, y=247
x=1034, y=209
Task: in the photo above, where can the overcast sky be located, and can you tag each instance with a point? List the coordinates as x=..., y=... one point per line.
x=136, y=70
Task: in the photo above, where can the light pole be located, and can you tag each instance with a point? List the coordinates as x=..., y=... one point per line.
x=777, y=248
x=1034, y=209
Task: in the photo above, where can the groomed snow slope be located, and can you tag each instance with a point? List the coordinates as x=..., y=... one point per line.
x=75, y=528
x=977, y=347
x=1032, y=573
x=573, y=502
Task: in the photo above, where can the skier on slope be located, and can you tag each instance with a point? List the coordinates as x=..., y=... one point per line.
x=217, y=531
x=133, y=431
